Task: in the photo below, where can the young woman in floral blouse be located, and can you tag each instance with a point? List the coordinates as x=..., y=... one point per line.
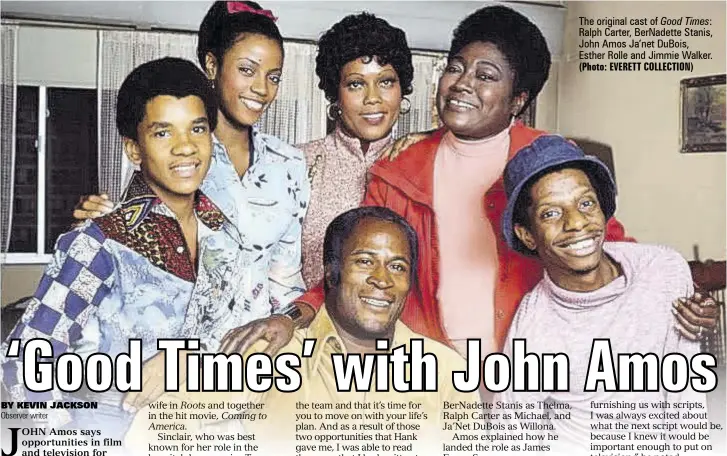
x=258, y=181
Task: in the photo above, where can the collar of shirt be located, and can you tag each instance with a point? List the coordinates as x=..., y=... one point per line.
x=579, y=300
x=343, y=142
x=144, y=224
x=140, y=200
x=257, y=146
x=329, y=342
x=261, y=146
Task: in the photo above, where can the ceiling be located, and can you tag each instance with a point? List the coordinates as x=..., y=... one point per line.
x=428, y=23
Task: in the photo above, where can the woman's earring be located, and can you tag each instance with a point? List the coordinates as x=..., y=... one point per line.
x=333, y=112
x=405, y=106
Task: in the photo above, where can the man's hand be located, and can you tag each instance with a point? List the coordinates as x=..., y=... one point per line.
x=696, y=316
x=277, y=330
x=152, y=382
x=92, y=206
x=402, y=143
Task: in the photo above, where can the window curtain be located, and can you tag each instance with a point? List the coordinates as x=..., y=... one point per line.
x=423, y=114
x=119, y=53
x=298, y=114
x=7, y=139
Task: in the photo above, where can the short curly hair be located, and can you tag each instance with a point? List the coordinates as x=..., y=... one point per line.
x=362, y=35
x=340, y=230
x=167, y=76
x=519, y=40
x=220, y=29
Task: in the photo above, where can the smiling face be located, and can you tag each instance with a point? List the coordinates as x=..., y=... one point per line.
x=247, y=82
x=375, y=280
x=174, y=145
x=474, y=96
x=369, y=96
x=567, y=224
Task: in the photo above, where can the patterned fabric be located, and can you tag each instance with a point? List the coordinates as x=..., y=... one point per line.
x=266, y=206
x=337, y=172
x=155, y=239
x=129, y=275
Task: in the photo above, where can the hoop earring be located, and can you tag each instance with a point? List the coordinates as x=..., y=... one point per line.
x=335, y=114
x=403, y=110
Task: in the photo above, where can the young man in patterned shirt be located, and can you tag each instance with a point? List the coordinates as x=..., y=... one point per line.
x=161, y=265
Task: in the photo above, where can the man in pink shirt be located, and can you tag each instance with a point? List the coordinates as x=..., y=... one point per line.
x=559, y=201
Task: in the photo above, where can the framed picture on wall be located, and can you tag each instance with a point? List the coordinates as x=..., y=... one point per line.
x=703, y=114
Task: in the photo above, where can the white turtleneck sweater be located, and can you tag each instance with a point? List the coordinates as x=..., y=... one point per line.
x=463, y=172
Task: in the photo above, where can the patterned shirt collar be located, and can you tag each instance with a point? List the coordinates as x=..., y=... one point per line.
x=140, y=200
x=353, y=145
